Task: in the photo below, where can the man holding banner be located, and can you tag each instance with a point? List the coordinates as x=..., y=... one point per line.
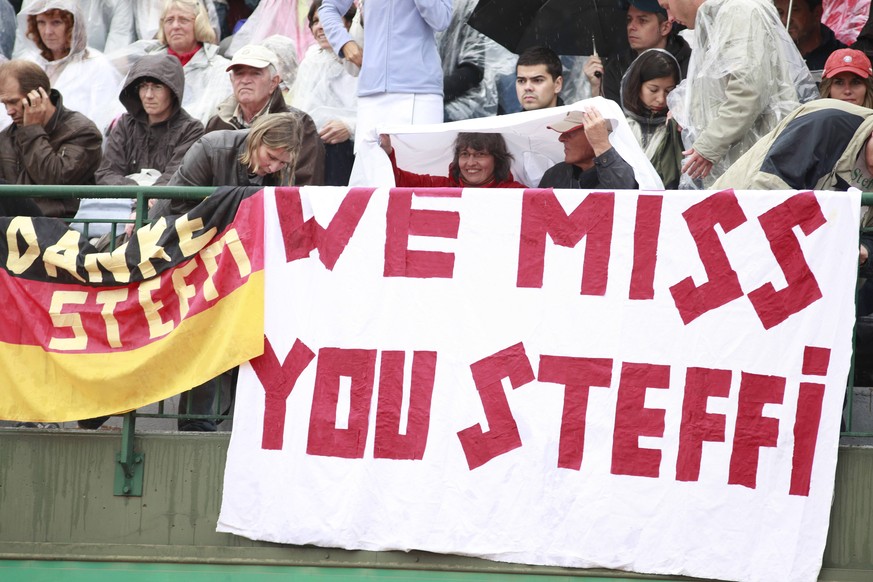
x=589, y=159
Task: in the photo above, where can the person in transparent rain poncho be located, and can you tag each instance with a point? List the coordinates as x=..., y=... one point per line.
x=744, y=76
x=57, y=40
x=328, y=93
x=644, y=89
x=185, y=32
x=109, y=24
x=469, y=87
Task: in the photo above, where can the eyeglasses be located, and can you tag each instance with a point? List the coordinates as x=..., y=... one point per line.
x=146, y=86
x=183, y=20
x=473, y=155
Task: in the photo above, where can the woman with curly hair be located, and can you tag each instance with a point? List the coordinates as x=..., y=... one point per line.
x=57, y=40
x=481, y=160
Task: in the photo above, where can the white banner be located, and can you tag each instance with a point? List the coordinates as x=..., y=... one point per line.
x=644, y=381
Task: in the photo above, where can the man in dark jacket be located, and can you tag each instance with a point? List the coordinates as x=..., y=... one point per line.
x=256, y=92
x=46, y=143
x=590, y=161
x=155, y=132
x=647, y=28
x=814, y=40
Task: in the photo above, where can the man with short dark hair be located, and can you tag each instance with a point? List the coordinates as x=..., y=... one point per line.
x=539, y=78
x=590, y=161
x=814, y=40
x=46, y=143
x=647, y=27
x=256, y=92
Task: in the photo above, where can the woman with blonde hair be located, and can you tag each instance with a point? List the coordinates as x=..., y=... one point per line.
x=264, y=155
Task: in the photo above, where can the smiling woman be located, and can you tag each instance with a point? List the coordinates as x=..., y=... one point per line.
x=481, y=160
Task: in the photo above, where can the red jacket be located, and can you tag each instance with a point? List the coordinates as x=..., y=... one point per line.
x=404, y=179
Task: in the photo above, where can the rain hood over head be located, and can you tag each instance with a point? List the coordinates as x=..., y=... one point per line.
x=164, y=68
x=744, y=76
x=84, y=77
x=657, y=135
x=109, y=23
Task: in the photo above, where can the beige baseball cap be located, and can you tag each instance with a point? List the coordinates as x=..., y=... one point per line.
x=253, y=55
x=573, y=121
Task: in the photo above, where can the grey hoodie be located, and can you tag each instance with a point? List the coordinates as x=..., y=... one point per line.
x=133, y=144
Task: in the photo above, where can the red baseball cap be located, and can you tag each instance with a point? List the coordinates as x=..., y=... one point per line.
x=851, y=60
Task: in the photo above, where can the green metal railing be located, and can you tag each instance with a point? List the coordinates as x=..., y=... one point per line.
x=130, y=464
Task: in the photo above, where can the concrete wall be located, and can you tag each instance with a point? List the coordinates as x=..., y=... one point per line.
x=57, y=503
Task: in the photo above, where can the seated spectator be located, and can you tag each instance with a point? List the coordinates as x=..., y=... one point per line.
x=57, y=40
x=156, y=131
x=539, y=78
x=256, y=93
x=467, y=93
x=814, y=40
x=589, y=159
x=647, y=27
x=185, y=33
x=481, y=160
x=109, y=23
x=147, y=17
x=46, y=143
x=848, y=76
x=325, y=90
x=822, y=145
x=645, y=87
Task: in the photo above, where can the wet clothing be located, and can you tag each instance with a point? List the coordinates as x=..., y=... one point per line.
x=65, y=151
x=404, y=179
x=85, y=77
x=134, y=144
x=469, y=86
x=310, y=162
x=609, y=171
x=745, y=75
x=659, y=137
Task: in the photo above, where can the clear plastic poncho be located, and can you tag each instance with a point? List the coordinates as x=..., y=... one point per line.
x=109, y=24
x=282, y=17
x=85, y=78
x=325, y=90
x=460, y=43
x=744, y=76
x=285, y=49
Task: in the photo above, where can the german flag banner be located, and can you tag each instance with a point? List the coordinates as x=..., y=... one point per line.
x=86, y=333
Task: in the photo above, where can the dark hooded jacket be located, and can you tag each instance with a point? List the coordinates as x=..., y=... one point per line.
x=310, y=165
x=133, y=144
x=64, y=152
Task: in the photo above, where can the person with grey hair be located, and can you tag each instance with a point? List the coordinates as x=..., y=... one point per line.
x=256, y=93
